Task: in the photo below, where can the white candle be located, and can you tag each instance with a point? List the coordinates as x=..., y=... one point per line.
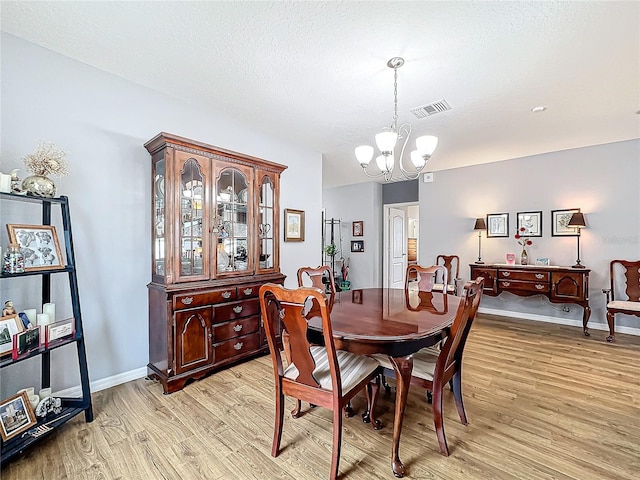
x=45, y=392
x=50, y=309
x=43, y=319
x=31, y=315
x=5, y=182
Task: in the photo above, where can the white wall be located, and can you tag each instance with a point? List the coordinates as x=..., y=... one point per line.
x=360, y=202
x=103, y=122
x=602, y=181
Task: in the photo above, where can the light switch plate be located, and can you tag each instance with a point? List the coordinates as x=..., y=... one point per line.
x=428, y=177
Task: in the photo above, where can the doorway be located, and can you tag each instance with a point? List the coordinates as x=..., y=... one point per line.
x=400, y=247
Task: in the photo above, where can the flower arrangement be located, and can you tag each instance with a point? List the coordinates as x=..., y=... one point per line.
x=523, y=239
x=47, y=160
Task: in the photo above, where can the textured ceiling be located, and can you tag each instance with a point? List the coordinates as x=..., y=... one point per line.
x=315, y=72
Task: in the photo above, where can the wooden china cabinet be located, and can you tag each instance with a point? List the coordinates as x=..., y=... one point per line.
x=214, y=242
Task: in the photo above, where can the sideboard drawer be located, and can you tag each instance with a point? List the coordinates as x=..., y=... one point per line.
x=236, y=346
x=208, y=297
x=232, y=310
x=248, y=291
x=235, y=328
x=526, y=275
x=511, y=285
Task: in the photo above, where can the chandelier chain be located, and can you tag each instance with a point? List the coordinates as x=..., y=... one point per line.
x=394, y=125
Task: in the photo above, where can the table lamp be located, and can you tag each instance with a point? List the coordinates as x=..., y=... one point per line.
x=577, y=222
x=480, y=226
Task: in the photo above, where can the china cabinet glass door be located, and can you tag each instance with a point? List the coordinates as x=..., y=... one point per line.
x=232, y=221
x=266, y=230
x=159, y=245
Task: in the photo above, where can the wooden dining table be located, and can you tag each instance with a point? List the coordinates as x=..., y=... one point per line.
x=389, y=321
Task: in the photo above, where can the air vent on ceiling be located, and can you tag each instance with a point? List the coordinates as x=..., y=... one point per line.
x=431, y=109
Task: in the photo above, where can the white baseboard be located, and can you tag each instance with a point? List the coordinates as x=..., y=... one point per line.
x=105, y=383
x=559, y=321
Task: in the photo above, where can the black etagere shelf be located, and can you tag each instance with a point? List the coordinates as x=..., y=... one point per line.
x=71, y=407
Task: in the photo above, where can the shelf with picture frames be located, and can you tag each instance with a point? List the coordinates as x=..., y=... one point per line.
x=38, y=428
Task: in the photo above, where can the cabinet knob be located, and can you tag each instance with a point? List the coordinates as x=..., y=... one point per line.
x=506, y=284
x=226, y=294
x=237, y=328
x=539, y=287
x=539, y=275
x=248, y=291
x=237, y=308
x=187, y=300
x=506, y=274
x=238, y=345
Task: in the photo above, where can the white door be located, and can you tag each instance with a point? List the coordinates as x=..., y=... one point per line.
x=398, y=251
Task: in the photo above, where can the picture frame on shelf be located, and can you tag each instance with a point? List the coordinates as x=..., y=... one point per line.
x=356, y=296
x=10, y=325
x=293, y=225
x=59, y=331
x=16, y=416
x=497, y=225
x=542, y=261
x=560, y=223
x=358, y=229
x=531, y=222
x=357, y=246
x=39, y=245
x=26, y=341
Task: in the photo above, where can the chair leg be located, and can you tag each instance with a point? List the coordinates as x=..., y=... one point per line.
x=337, y=443
x=348, y=410
x=438, y=420
x=387, y=387
x=611, y=336
x=429, y=396
x=277, y=430
x=297, y=412
x=457, y=394
x=373, y=389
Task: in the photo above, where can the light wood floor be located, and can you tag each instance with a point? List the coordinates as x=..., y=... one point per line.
x=543, y=402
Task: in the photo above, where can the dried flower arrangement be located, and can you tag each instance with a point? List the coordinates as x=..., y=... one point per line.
x=47, y=160
x=522, y=240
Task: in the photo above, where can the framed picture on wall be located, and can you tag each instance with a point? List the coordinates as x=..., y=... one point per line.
x=358, y=229
x=293, y=225
x=531, y=222
x=497, y=225
x=357, y=246
x=560, y=223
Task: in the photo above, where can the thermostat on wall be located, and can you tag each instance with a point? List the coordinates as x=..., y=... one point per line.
x=428, y=177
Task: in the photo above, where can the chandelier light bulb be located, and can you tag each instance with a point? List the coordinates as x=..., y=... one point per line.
x=385, y=163
x=427, y=144
x=418, y=160
x=386, y=141
x=364, y=154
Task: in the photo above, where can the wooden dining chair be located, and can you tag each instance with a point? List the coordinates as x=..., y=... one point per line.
x=424, y=279
x=320, y=375
x=320, y=277
x=433, y=368
x=624, y=295
x=452, y=264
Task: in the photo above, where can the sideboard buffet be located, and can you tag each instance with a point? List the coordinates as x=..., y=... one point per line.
x=558, y=284
x=214, y=242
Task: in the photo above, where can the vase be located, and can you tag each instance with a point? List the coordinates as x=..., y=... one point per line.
x=523, y=257
x=39, y=186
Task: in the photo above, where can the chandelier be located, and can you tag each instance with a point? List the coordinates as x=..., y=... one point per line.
x=391, y=137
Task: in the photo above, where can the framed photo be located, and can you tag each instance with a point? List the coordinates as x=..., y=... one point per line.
x=531, y=222
x=560, y=223
x=16, y=416
x=39, y=245
x=26, y=341
x=293, y=225
x=357, y=246
x=10, y=325
x=356, y=296
x=358, y=229
x=497, y=225
x=542, y=261
x=59, y=331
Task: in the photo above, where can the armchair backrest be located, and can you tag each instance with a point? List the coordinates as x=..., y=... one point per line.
x=625, y=280
x=287, y=309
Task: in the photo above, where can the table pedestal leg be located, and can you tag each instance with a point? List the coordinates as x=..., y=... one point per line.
x=403, y=367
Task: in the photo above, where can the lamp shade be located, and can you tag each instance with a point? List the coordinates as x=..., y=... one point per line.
x=577, y=221
x=427, y=144
x=480, y=224
x=386, y=141
x=364, y=154
x=418, y=160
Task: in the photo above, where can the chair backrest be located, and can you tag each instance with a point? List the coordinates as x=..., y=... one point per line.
x=453, y=347
x=320, y=277
x=285, y=310
x=426, y=277
x=625, y=280
x=452, y=264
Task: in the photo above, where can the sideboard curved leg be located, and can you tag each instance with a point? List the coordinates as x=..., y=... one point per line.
x=585, y=319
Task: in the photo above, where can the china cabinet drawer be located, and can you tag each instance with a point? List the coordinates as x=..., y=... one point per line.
x=225, y=331
x=245, y=308
x=199, y=299
x=236, y=346
x=525, y=275
x=511, y=285
x=249, y=291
